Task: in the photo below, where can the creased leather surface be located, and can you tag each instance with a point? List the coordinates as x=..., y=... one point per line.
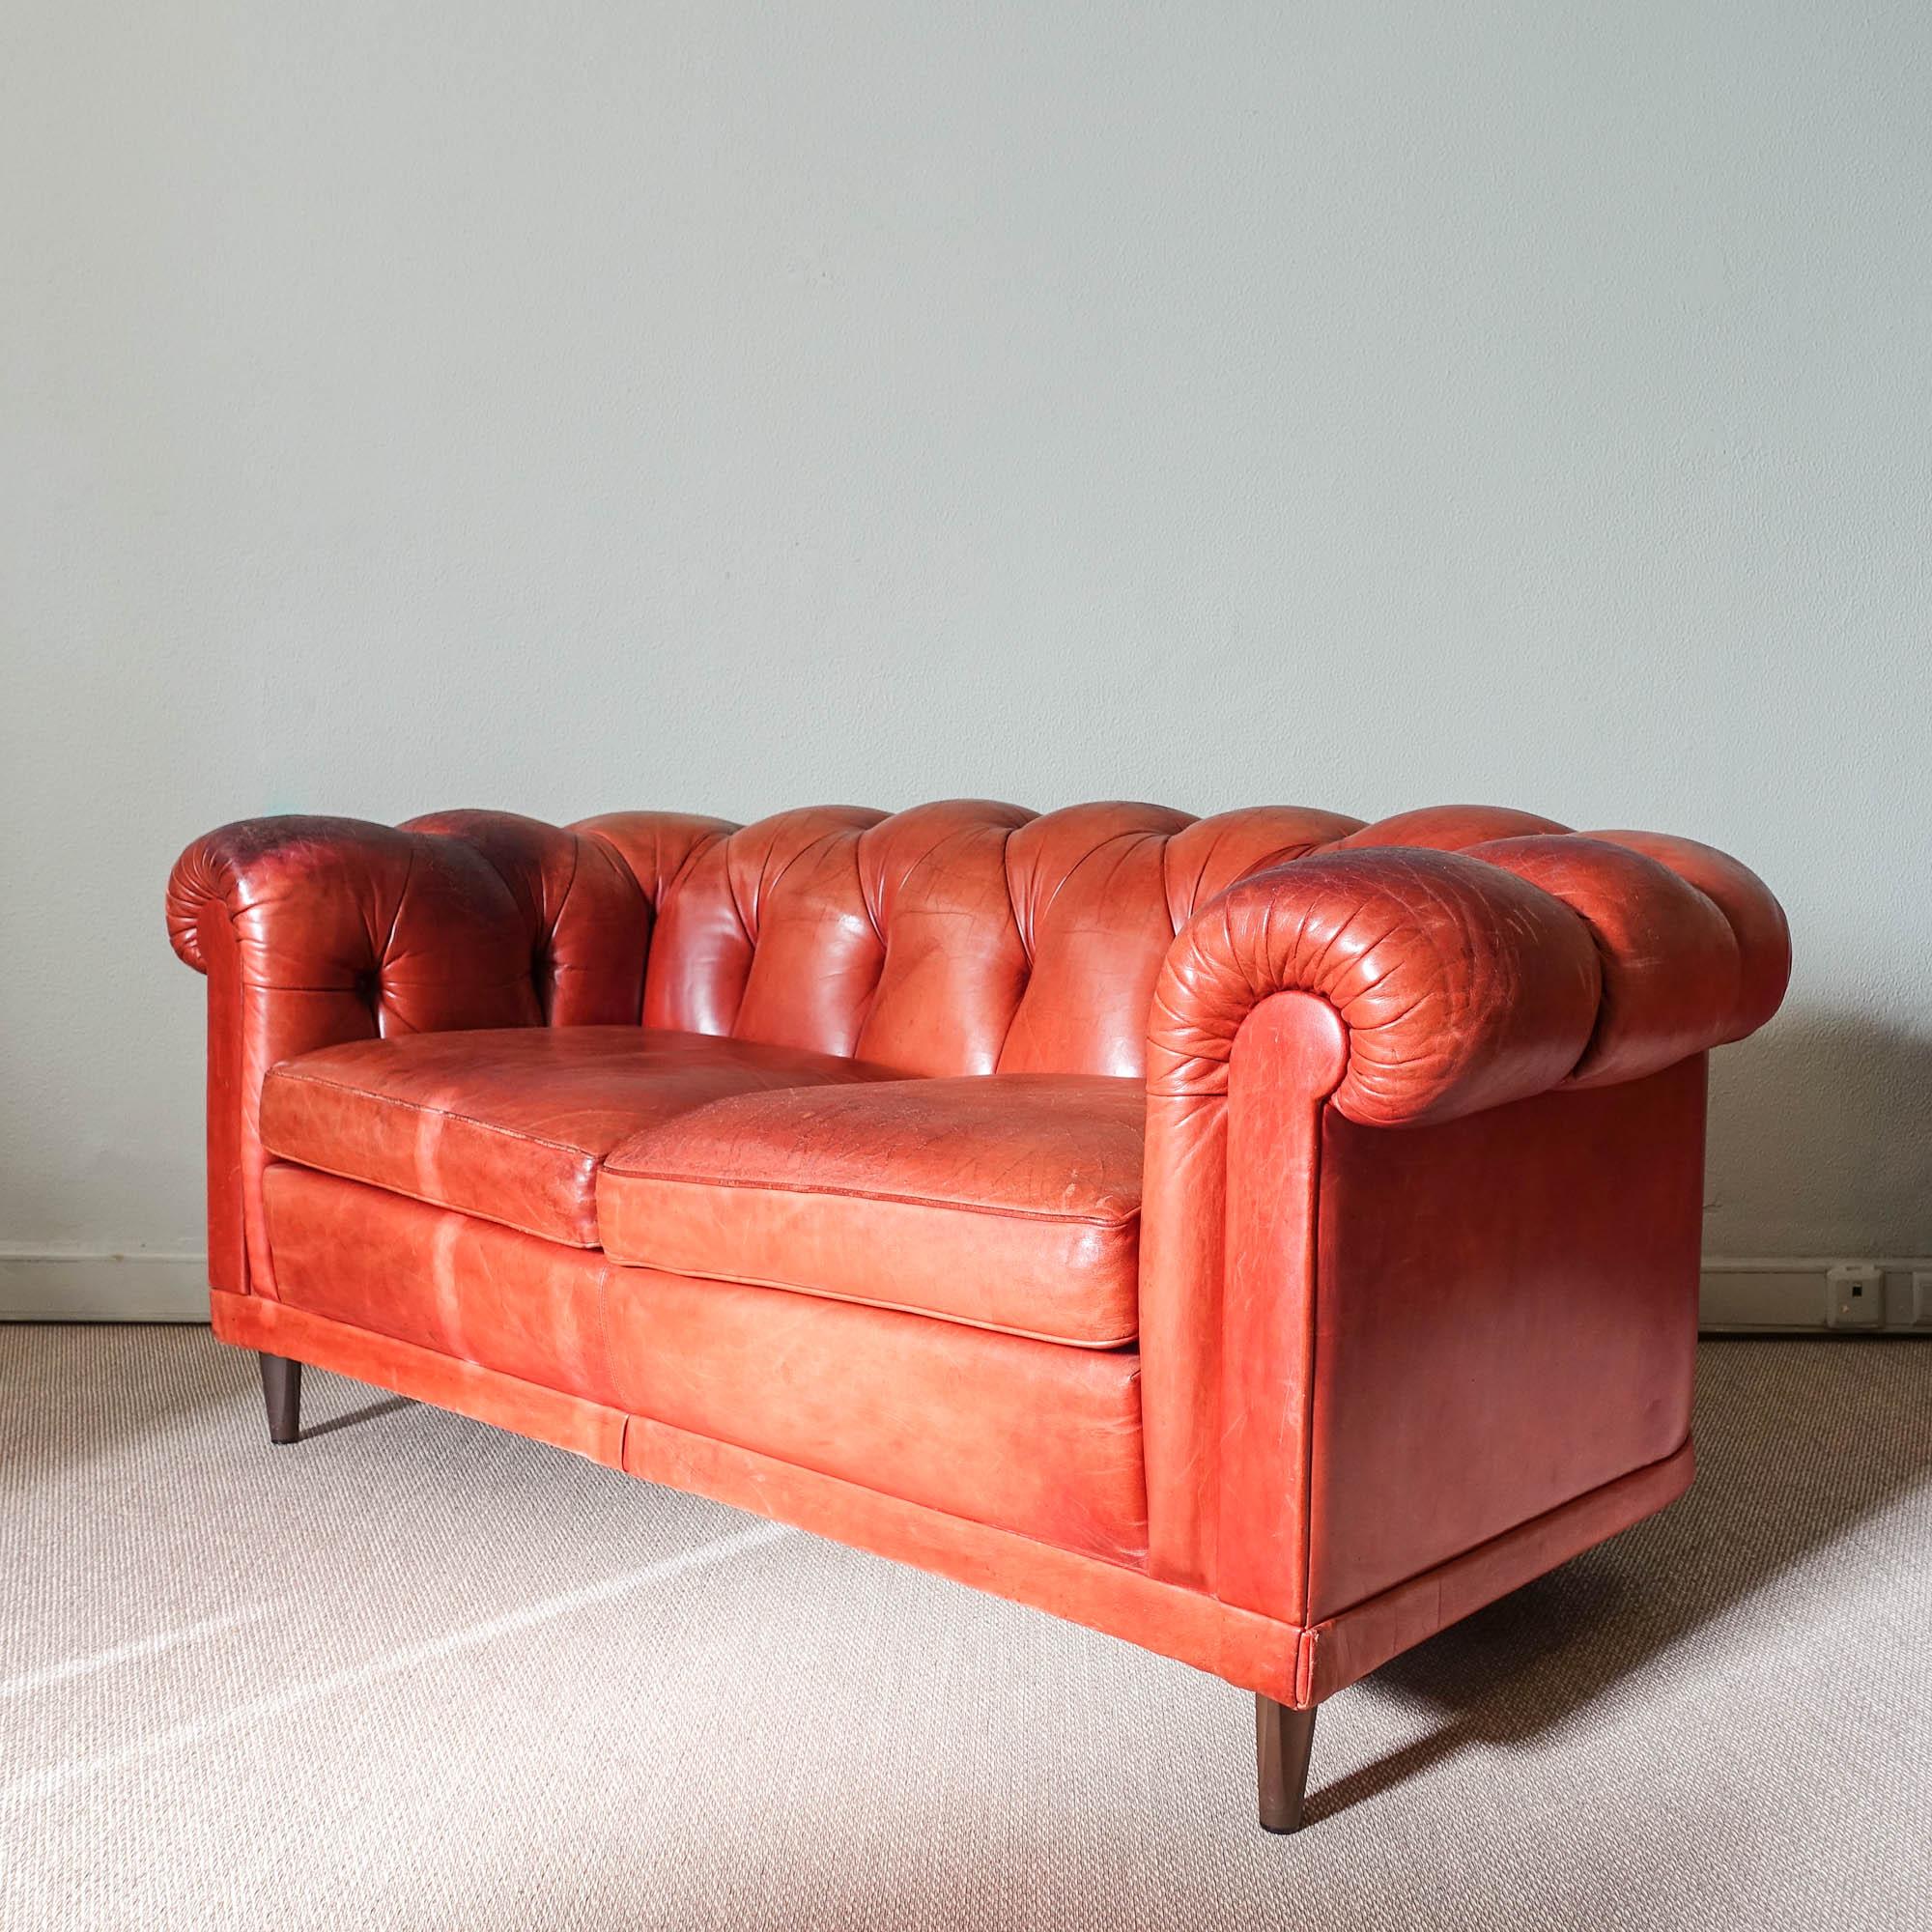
x=1013, y=1201
x=963, y=937
x=512, y=1124
x=1526, y=962
x=317, y=931
x=447, y=1282
x=1461, y=985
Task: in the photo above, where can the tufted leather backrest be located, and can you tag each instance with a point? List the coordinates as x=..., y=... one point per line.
x=974, y=937
x=961, y=937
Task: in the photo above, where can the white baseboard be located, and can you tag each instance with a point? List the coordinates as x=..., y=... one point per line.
x=74, y=1287
x=1784, y=1295
x=1791, y=1294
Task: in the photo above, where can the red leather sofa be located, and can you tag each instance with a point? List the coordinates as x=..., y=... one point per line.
x=1264, y=1238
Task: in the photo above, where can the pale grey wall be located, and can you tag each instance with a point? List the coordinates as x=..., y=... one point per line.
x=574, y=406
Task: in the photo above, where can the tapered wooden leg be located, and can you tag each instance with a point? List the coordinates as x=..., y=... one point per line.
x=282, y=1391
x=1283, y=1739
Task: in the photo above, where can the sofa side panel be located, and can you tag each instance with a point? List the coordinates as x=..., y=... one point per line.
x=1505, y=1319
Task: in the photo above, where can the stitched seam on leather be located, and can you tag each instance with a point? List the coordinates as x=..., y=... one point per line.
x=816, y=1292
x=1314, y=1330
x=1131, y=1558
x=277, y=1317
x=653, y=907
x=545, y=950
x=395, y=920
x=606, y=1375
x=287, y=1073
x=1515, y=1531
x=424, y=1201
x=615, y=853
x=1012, y=905
x=277, y=986
x=701, y=851
x=1021, y=934
x=244, y=1188
x=934, y=1202
x=569, y=887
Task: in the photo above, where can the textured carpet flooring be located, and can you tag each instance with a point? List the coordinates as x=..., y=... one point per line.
x=416, y=1673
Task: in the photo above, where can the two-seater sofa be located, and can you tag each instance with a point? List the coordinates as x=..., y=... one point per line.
x=1264, y=1238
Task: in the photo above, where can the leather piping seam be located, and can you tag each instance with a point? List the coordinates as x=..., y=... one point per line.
x=1314, y=1630
x=571, y=1243
x=551, y=926
x=248, y=1289
x=1133, y=1559
x=820, y=1294
x=1020, y=934
x=494, y=986
x=285, y=1072
x=396, y=917
x=938, y=1205
x=1312, y=1329
x=1130, y=1557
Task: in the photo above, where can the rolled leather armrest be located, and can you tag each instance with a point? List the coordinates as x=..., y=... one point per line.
x=1467, y=980
x=417, y=931
x=1459, y=987
x=316, y=931
x=1457, y=981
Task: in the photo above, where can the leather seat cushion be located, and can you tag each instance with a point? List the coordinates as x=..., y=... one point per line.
x=1007, y=1201
x=512, y=1124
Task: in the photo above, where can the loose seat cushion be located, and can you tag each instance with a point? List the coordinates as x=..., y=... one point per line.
x=512, y=1123
x=1008, y=1201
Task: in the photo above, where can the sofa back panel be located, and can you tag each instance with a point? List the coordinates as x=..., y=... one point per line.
x=764, y=934
x=1089, y=899
x=662, y=848
x=581, y=901
x=1450, y=828
x=962, y=937
x=816, y=954
x=997, y=939
x=935, y=881
x=1206, y=858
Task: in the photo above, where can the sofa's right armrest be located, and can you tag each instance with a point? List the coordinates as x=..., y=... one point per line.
x=1404, y=991
x=1457, y=986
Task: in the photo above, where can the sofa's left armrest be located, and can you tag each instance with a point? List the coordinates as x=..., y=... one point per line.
x=316, y=931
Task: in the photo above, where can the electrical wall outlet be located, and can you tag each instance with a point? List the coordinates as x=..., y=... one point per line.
x=1855, y=1296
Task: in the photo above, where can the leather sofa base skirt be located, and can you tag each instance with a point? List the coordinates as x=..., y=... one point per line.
x=1291, y=1663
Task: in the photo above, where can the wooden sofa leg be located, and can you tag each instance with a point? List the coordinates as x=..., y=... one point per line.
x=282, y=1391
x=1283, y=1739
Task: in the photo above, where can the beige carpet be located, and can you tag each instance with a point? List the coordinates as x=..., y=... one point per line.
x=416, y=1673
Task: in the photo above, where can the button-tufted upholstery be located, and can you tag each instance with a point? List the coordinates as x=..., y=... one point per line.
x=958, y=938
x=1328, y=1192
